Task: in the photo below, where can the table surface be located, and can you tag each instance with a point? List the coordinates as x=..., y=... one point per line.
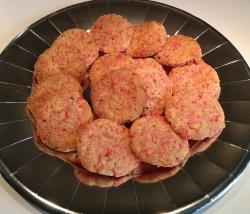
x=231, y=18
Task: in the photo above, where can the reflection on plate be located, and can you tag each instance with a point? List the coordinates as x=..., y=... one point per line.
x=69, y=157
x=40, y=178
x=92, y=179
x=151, y=174
x=144, y=173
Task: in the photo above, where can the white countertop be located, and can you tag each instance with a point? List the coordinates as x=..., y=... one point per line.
x=229, y=17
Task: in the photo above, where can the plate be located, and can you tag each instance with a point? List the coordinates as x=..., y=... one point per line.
x=49, y=183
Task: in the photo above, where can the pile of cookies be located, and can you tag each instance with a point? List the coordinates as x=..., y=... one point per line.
x=153, y=99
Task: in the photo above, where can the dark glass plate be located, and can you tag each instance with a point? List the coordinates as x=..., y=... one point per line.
x=50, y=184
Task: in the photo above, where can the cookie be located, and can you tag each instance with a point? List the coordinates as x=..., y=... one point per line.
x=154, y=142
x=200, y=77
x=148, y=39
x=194, y=115
x=104, y=148
x=80, y=40
x=59, y=118
x=119, y=96
x=46, y=89
x=178, y=50
x=156, y=83
x=108, y=63
x=59, y=60
x=112, y=33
